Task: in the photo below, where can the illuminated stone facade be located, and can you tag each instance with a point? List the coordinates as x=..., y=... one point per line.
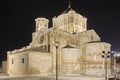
x=79, y=50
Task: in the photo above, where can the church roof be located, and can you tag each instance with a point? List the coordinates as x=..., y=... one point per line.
x=39, y=49
x=68, y=46
x=67, y=10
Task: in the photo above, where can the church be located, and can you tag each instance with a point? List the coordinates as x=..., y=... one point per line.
x=66, y=47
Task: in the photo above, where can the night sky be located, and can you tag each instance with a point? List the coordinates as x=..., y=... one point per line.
x=17, y=19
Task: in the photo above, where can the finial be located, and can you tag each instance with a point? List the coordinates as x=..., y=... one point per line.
x=69, y=4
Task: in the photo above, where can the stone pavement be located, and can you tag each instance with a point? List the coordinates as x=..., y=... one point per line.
x=80, y=77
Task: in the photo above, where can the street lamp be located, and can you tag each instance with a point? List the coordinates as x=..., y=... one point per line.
x=105, y=55
x=57, y=45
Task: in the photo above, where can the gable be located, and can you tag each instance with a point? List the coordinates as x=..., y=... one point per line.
x=89, y=36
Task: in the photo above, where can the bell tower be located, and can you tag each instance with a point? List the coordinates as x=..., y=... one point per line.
x=41, y=23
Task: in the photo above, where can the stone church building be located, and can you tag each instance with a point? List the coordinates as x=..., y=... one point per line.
x=78, y=50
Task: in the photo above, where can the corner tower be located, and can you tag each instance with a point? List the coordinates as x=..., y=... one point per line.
x=41, y=23
x=38, y=37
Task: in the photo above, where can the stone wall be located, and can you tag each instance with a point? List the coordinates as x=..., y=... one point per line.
x=40, y=63
x=71, y=59
x=4, y=66
x=18, y=63
x=95, y=63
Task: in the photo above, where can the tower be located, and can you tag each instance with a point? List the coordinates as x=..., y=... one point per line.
x=41, y=23
x=70, y=21
x=38, y=37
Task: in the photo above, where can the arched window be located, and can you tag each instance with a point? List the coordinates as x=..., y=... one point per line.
x=12, y=61
x=23, y=60
x=91, y=37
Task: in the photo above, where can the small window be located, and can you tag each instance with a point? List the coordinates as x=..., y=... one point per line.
x=91, y=37
x=48, y=48
x=23, y=60
x=12, y=61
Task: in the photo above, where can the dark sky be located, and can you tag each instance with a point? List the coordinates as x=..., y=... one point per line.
x=17, y=19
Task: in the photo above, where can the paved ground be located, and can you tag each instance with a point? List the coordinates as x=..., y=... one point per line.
x=80, y=77
x=25, y=78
